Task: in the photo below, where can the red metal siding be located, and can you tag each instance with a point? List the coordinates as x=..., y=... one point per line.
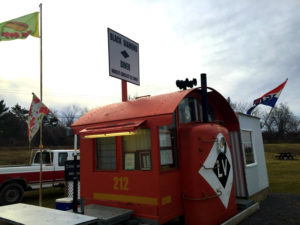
x=137, y=190
x=201, y=204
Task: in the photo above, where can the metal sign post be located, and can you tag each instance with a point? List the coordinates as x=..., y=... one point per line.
x=75, y=185
x=124, y=91
x=41, y=125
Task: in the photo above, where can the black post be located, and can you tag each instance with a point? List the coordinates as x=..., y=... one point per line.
x=75, y=185
x=204, y=98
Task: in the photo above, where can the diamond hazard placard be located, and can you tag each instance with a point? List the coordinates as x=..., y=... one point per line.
x=217, y=171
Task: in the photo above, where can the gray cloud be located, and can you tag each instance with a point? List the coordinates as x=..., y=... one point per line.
x=246, y=48
x=258, y=40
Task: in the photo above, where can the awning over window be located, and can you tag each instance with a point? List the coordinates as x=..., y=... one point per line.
x=111, y=129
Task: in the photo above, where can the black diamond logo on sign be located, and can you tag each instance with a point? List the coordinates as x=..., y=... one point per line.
x=222, y=168
x=124, y=54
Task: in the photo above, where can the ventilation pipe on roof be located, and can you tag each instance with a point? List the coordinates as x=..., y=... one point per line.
x=204, y=97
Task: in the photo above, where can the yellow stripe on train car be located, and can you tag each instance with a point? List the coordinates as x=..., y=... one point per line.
x=126, y=198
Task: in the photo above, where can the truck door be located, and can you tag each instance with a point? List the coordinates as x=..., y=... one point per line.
x=48, y=167
x=59, y=174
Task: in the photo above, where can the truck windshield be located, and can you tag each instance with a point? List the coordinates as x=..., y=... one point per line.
x=45, y=156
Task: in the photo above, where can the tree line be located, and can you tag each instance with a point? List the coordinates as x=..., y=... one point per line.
x=281, y=125
x=56, y=131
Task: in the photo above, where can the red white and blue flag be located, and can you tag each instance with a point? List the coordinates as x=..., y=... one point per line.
x=269, y=98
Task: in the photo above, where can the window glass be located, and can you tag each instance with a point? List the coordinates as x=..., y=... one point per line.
x=248, y=147
x=106, y=153
x=62, y=157
x=211, y=114
x=188, y=110
x=168, y=145
x=46, y=157
x=137, y=150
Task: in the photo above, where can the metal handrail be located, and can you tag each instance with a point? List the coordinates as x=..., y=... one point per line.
x=207, y=140
x=211, y=168
x=219, y=193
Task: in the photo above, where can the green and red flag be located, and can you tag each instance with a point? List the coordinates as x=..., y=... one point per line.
x=36, y=114
x=20, y=28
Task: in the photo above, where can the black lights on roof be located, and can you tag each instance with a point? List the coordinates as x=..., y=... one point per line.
x=183, y=84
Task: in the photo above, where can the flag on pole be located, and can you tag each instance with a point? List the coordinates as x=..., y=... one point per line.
x=269, y=98
x=36, y=114
x=20, y=28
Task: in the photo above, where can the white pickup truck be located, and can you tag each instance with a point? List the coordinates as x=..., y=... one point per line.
x=14, y=180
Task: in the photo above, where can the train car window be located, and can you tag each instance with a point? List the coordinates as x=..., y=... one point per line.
x=106, y=153
x=188, y=110
x=211, y=114
x=137, y=150
x=168, y=146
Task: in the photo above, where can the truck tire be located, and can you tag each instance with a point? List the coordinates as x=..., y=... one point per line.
x=11, y=193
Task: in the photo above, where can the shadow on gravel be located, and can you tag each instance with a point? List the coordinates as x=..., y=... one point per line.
x=277, y=209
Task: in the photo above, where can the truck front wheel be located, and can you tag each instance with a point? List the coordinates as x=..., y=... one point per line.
x=11, y=193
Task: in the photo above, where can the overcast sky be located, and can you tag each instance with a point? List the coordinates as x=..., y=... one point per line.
x=246, y=48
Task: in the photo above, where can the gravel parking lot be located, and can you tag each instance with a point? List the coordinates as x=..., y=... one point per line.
x=277, y=209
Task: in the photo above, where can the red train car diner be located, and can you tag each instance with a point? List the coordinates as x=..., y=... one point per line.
x=161, y=157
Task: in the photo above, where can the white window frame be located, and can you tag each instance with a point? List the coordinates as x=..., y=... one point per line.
x=253, y=149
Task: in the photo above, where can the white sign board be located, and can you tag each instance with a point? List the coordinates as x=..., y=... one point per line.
x=123, y=57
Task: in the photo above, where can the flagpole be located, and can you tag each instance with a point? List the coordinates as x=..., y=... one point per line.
x=268, y=117
x=41, y=97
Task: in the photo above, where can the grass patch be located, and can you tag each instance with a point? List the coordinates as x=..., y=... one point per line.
x=284, y=175
x=277, y=148
x=49, y=195
x=14, y=156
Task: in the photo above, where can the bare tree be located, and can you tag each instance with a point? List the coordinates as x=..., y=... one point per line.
x=132, y=97
x=243, y=108
x=71, y=113
x=281, y=121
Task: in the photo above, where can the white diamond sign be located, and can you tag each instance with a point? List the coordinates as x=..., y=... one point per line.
x=217, y=171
